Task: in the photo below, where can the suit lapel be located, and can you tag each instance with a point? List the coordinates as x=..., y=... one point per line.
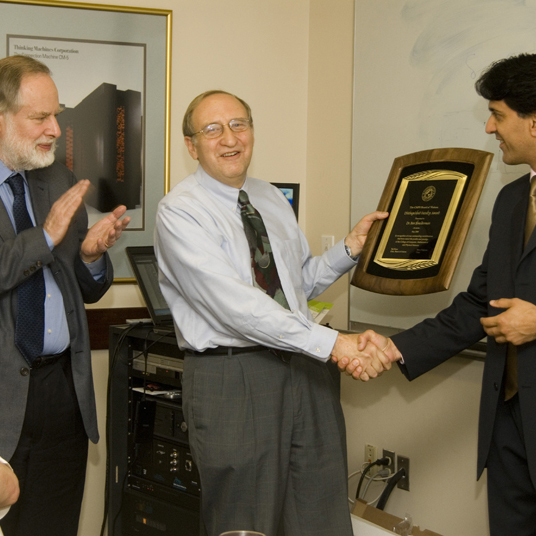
x=39, y=194
x=6, y=227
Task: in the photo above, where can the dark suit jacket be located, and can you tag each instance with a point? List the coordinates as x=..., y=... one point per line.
x=20, y=256
x=506, y=272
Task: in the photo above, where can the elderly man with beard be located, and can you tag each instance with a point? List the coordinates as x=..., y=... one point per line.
x=50, y=265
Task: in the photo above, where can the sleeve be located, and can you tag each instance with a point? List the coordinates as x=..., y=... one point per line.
x=434, y=340
x=96, y=278
x=197, y=266
x=21, y=255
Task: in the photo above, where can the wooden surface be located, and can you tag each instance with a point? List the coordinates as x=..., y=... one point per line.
x=100, y=320
x=411, y=287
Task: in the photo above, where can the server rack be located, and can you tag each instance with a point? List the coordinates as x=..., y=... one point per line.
x=153, y=485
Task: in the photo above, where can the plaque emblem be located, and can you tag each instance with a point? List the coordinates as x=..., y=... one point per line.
x=428, y=193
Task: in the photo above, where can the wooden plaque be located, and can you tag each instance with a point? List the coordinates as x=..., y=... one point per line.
x=431, y=197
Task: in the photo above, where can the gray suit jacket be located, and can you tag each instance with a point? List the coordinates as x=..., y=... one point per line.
x=20, y=256
x=507, y=271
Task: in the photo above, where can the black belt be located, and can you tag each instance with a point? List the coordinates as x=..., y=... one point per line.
x=227, y=350
x=221, y=351
x=44, y=360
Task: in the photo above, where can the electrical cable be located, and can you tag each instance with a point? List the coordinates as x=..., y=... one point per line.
x=380, y=476
x=351, y=475
x=379, y=461
x=389, y=488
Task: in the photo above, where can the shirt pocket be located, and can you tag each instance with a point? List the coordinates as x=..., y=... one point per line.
x=289, y=265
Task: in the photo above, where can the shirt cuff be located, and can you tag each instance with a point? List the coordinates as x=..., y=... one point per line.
x=321, y=342
x=50, y=244
x=97, y=268
x=339, y=260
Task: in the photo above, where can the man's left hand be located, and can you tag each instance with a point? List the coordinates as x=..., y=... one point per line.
x=356, y=239
x=516, y=325
x=103, y=235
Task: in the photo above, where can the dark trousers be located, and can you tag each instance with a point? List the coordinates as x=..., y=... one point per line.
x=511, y=492
x=268, y=437
x=51, y=456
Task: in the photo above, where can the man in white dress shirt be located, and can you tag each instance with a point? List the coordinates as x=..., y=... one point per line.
x=266, y=428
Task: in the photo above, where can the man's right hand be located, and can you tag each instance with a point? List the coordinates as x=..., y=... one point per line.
x=62, y=211
x=357, y=359
x=387, y=345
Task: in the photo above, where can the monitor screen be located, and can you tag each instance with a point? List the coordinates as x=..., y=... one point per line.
x=291, y=191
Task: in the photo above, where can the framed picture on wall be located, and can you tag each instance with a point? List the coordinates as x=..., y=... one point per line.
x=111, y=65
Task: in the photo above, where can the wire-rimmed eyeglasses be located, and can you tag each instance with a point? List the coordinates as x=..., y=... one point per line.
x=215, y=130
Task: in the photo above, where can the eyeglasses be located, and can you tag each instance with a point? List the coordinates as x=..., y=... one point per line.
x=215, y=130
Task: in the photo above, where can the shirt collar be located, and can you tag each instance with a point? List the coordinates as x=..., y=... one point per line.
x=5, y=173
x=228, y=195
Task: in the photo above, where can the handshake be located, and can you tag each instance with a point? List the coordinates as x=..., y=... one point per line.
x=364, y=355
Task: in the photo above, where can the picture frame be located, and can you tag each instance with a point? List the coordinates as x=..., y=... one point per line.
x=431, y=197
x=112, y=67
x=291, y=190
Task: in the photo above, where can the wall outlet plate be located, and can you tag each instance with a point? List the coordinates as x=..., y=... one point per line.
x=371, y=455
x=403, y=463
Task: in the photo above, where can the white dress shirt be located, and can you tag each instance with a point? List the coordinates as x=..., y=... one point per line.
x=205, y=270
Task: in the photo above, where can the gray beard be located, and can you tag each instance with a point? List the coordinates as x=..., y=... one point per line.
x=20, y=158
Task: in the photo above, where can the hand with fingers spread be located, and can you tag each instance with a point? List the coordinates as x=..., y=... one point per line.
x=62, y=211
x=104, y=234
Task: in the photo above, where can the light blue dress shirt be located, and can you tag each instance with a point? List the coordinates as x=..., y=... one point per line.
x=205, y=270
x=56, y=336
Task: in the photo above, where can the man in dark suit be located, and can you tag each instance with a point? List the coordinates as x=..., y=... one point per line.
x=50, y=265
x=500, y=303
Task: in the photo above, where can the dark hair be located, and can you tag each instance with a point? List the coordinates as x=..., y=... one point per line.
x=512, y=80
x=12, y=70
x=187, y=124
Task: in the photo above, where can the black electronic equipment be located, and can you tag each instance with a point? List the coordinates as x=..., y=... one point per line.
x=145, y=268
x=154, y=485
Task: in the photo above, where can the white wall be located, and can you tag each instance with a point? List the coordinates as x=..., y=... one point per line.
x=292, y=60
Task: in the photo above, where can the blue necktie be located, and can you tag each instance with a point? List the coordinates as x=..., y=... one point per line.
x=30, y=321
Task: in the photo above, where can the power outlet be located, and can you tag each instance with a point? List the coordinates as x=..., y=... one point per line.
x=392, y=464
x=403, y=463
x=371, y=455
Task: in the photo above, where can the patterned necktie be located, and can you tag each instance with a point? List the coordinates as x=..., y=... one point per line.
x=263, y=266
x=30, y=321
x=511, y=385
